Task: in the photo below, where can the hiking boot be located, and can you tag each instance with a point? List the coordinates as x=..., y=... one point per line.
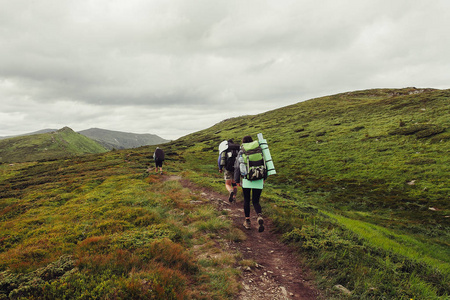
x=247, y=224
x=232, y=197
x=261, y=223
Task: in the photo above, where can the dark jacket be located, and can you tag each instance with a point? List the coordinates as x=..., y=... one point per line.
x=159, y=154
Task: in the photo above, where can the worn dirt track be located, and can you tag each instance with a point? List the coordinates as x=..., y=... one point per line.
x=278, y=273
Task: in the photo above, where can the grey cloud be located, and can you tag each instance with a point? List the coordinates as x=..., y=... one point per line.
x=193, y=56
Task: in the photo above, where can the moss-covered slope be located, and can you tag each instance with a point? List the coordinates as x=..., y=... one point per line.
x=61, y=143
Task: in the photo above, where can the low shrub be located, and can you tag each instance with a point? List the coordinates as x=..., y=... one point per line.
x=420, y=130
x=25, y=285
x=421, y=161
x=430, y=131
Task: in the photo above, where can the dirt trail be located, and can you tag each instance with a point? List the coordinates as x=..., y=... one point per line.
x=278, y=274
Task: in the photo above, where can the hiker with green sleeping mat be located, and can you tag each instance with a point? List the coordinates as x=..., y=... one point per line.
x=251, y=168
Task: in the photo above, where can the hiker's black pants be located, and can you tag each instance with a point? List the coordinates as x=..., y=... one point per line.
x=158, y=163
x=254, y=195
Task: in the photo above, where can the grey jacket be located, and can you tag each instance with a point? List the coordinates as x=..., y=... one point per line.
x=237, y=169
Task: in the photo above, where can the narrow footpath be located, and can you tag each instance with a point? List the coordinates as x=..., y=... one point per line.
x=278, y=273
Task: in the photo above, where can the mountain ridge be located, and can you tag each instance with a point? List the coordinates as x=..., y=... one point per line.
x=47, y=130
x=44, y=146
x=122, y=140
x=109, y=139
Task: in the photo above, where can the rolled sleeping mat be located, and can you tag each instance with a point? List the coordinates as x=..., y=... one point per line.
x=266, y=154
x=223, y=146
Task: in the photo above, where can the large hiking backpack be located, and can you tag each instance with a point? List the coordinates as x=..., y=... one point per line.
x=159, y=154
x=253, y=158
x=230, y=156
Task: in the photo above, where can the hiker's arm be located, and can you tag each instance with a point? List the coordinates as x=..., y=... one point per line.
x=219, y=160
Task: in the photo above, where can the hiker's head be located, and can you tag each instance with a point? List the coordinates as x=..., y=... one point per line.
x=230, y=141
x=247, y=139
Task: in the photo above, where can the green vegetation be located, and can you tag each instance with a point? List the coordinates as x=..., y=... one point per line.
x=53, y=145
x=98, y=226
x=361, y=188
x=361, y=192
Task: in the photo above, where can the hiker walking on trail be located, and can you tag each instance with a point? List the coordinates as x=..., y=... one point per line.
x=251, y=166
x=158, y=156
x=227, y=155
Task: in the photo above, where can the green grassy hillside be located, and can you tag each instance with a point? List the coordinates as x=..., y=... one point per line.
x=361, y=192
x=101, y=227
x=385, y=150
x=61, y=143
x=362, y=188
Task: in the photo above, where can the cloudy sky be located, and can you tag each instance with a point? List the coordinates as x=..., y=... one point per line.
x=172, y=67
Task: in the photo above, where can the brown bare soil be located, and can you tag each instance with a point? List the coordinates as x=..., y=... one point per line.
x=278, y=273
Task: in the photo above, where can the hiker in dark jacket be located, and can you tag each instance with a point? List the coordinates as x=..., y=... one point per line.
x=227, y=168
x=158, y=156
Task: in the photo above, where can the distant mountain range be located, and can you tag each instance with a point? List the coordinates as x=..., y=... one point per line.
x=121, y=140
x=30, y=133
x=110, y=139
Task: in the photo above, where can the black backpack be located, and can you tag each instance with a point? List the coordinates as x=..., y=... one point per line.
x=230, y=156
x=159, y=154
